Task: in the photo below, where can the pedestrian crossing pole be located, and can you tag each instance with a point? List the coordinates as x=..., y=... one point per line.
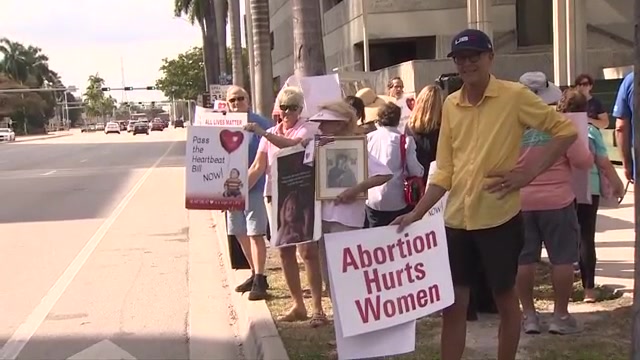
x=635, y=331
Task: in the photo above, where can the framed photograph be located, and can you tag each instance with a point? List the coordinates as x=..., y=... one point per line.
x=340, y=165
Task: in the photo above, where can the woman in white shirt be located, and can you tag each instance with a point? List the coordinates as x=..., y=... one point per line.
x=386, y=202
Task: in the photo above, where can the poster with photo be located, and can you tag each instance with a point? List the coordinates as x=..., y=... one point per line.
x=296, y=213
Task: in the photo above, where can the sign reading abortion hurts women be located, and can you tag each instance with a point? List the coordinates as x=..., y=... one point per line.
x=383, y=278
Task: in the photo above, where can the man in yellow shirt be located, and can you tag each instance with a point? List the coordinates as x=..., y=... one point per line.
x=478, y=148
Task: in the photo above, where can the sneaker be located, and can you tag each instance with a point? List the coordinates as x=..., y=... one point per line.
x=246, y=285
x=259, y=288
x=531, y=323
x=565, y=325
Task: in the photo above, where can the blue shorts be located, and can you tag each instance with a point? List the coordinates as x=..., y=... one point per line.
x=252, y=222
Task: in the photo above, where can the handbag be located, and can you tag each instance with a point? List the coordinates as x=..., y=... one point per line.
x=413, y=185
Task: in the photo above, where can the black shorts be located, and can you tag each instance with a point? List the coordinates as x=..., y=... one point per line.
x=494, y=250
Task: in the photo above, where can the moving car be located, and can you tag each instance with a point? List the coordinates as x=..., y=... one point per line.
x=7, y=134
x=157, y=125
x=112, y=127
x=178, y=123
x=130, y=125
x=141, y=127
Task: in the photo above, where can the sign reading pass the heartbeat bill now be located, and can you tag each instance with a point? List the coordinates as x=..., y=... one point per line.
x=217, y=162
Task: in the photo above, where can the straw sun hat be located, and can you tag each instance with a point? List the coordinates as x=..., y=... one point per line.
x=372, y=102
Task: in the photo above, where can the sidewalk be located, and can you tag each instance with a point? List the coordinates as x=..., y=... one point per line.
x=51, y=135
x=615, y=244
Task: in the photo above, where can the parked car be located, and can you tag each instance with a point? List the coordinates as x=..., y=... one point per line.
x=130, y=125
x=7, y=134
x=178, y=123
x=141, y=127
x=112, y=128
x=157, y=125
x=123, y=125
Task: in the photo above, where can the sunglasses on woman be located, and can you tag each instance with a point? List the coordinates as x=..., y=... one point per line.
x=289, y=107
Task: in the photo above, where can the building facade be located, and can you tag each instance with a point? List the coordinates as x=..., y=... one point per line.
x=410, y=38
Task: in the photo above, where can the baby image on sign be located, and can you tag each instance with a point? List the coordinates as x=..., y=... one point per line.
x=216, y=165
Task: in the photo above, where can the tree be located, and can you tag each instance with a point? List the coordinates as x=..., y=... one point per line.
x=202, y=12
x=262, y=53
x=27, y=67
x=237, y=58
x=244, y=67
x=221, y=11
x=97, y=104
x=183, y=77
x=308, y=56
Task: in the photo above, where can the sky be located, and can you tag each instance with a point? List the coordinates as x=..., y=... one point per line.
x=85, y=37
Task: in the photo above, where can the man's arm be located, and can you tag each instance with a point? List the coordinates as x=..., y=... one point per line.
x=540, y=116
x=622, y=113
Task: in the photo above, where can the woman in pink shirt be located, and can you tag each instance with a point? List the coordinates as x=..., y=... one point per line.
x=550, y=217
x=291, y=131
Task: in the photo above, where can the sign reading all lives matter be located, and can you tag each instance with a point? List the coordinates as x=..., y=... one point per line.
x=217, y=162
x=383, y=278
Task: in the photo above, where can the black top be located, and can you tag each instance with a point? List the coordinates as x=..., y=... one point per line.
x=426, y=148
x=594, y=108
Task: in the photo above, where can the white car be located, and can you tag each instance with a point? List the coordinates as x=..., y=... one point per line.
x=7, y=134
x=112, y=127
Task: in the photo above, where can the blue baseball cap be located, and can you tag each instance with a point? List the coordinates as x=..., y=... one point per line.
x=470, y=39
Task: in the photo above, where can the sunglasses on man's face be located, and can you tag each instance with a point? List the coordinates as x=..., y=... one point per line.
x=289, y=107
x=236, y=99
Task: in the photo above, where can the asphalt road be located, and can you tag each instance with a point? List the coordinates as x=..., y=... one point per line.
x=94, y=251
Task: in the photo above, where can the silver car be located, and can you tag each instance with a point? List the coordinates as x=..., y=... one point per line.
x=7, y=134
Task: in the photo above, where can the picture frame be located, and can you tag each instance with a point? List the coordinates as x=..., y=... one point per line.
x=340, y=165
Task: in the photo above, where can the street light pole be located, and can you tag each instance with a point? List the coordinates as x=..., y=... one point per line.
x=635, y=330
x=365, y=35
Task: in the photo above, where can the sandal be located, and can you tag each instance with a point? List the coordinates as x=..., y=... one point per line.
x=294, y=315
x=318, y=319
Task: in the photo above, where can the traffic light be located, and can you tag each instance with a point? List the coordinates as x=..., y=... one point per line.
x=128, y=88
x=151, y=87
x=105, y=89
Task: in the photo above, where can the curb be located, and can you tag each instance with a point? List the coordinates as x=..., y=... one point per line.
x=261, y=340
x=41, y=138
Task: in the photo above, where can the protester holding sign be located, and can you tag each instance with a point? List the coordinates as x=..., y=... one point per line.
x=478, y=147
x=346, y=212
x=549, y=213
x=289, y=132
x=250, y=226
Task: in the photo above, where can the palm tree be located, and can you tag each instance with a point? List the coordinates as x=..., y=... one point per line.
x=236, y=44
x=201, y=11
x=262, y=56
x=308, y=57
x=221, y=11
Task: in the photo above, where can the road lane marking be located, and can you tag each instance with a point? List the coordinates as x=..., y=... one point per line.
x=83, y=160
x=49, y=172
x=27, y=329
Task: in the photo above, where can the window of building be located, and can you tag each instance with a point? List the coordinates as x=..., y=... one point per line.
x=534, y=22
x=328, y=4
x=388, y=52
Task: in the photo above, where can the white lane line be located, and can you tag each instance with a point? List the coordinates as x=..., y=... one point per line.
x=49, y=173
x=83, y=160
x=27, y=329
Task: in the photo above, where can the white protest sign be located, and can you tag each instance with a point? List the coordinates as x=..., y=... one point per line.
x=218, y=92
x=383, y=278
x=217, y=162
x=203, y=115
x=318, y=90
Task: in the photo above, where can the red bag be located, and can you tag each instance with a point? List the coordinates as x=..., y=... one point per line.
x=413, y=185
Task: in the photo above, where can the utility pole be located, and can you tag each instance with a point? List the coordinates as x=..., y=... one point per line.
x=635, y=330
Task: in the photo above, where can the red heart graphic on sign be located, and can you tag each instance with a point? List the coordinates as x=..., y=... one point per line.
x=410, y=103
x=231, y=140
